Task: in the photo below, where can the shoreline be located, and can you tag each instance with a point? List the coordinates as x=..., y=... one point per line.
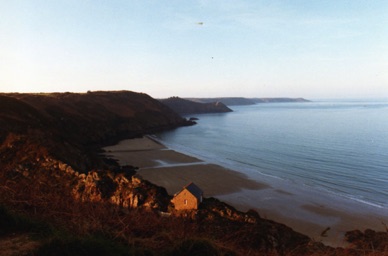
x=321, y=217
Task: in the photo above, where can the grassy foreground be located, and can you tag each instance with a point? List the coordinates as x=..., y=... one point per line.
x=42, y=238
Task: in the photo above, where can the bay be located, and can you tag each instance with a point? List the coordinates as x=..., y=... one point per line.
x=337, y=147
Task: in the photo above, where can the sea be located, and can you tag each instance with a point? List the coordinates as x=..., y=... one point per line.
x=336, y=147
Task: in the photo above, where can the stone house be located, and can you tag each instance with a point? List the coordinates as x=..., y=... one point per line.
x=188, y=198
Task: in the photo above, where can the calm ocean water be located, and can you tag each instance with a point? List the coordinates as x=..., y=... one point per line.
x=338, y=147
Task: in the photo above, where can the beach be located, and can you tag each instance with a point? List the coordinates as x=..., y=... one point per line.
x=322, y=218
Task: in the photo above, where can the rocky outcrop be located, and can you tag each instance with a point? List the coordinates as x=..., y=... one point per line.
x=121, y=189
x=119, y=186
x=368, y=241
x=185, y=107
x=212, y=208
x=249, y=230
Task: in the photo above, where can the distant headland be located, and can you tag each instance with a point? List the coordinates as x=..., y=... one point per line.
x=218, y=105
x=236, y=101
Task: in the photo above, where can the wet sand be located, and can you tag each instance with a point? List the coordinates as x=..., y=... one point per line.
x=173, y=170
x=309, y=213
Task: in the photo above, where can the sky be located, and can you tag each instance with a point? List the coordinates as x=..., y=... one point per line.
x=218, y=48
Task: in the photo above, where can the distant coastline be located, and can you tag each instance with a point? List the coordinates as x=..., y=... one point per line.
x=186, y=106
x=238, y=101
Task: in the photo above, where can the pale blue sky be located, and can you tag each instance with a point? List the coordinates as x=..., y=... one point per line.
x=312, y=49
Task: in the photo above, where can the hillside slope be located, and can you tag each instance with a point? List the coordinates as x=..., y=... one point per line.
x=183, y=106
x=74, y=124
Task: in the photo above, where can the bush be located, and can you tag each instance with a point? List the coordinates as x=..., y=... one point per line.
x=84, y=246
x=11, y=222
x=195, y=247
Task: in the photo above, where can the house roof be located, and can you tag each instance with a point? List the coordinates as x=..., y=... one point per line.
x=194, y=189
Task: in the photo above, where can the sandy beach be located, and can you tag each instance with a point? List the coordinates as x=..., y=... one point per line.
x=173, y=170
x=322, y=218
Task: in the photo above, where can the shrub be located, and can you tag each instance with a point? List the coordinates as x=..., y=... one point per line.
x=195, y=247
x=84, y=246
x=11, y=222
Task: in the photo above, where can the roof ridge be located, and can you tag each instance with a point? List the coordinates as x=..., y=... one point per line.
x=189, y=184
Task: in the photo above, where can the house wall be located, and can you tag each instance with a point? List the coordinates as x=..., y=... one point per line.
x=179, y=201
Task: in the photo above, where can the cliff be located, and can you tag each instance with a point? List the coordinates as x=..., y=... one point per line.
x=73, y=126
x=183, y=106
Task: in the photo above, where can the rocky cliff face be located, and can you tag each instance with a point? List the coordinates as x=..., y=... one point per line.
x=31, y=173
x=120, y=189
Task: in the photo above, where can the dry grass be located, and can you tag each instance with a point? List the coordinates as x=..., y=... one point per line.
x=17, y=244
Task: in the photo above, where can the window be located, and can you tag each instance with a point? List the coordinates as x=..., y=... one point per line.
x=185, y=201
